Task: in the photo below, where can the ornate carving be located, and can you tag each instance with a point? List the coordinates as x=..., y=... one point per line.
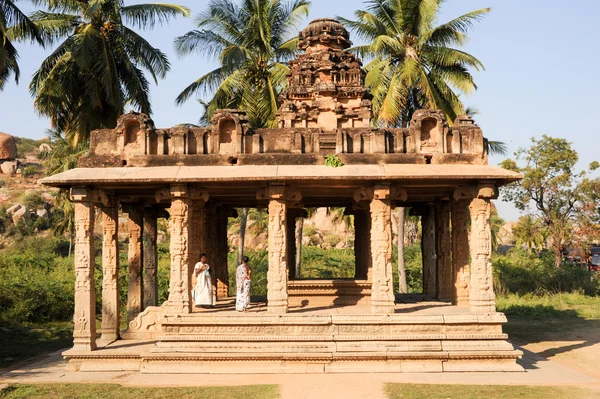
x=162, y=194
x=110, y=272
x=135, y=262
x=84, y=331
x=460, y=253
x=481, y=293
x=382, y=294
x=277, y=274
x=179, y=284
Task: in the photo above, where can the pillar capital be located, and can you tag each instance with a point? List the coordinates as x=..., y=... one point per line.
x=199, y=194
x=179, y=191
x=486, y=190
x=399, y=193
x=80, y=194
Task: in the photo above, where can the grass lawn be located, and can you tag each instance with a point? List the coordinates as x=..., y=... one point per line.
x=424, y=391
x=22, y=342
x=108, y=391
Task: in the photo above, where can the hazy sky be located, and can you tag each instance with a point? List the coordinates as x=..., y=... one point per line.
x=541, y=57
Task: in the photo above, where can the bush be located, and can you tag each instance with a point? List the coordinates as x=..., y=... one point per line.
x=521, y=272
x=30, y=170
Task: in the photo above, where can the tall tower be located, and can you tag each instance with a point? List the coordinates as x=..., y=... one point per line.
x=326, y=83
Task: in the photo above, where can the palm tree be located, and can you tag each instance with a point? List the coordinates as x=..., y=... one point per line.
x=14, y=25
x=251, y=41
x=414, y=64
x=99, y=65
x=530, y=232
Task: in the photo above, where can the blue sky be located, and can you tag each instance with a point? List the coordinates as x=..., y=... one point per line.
x=541, y=56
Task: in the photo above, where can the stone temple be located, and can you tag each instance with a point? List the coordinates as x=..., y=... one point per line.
x=198, y=176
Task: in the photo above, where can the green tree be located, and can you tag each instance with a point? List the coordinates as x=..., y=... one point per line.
x=251, y=41
x=298, y=235
x=99, y=65
x=551, y=185
x=529, y=232
x=260, y=221
x=14, y=25
x=414, y=63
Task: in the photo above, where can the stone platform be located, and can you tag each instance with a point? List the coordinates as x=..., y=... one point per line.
x=418, y=337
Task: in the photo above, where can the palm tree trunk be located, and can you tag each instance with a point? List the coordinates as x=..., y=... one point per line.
x=402, y=286
x=243, y=221
x=70, y=242
x=299, y=228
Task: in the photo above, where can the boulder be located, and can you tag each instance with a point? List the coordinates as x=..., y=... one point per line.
x=13, y=209
x=48, y=198
x=45, y=147
x=8, y=146
x=9, y=167
x=21, y=214
x=42, y=213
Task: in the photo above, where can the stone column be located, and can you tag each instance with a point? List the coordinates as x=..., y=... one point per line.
x=84, y=319
x=150, y=281
x=443, y=247
x=277, y=296
x=382, y=292
x=110, y=273
x=481, y=292
x=180, y=298
x=135, y=258
x=460, y=252
x=221, y=274
x=197, y=238
x=428, y=249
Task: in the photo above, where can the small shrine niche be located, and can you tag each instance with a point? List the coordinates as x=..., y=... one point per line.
x=228, y=130
x=430, y=130
x=132, y=129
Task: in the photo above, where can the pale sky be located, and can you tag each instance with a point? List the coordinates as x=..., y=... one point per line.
x=541, y=58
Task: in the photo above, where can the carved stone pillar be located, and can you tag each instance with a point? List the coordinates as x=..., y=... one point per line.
x=197, y=236
x=221, y=273
x=180, y=298
x=277, y=296
x=84, y=329
x=135, y=261
x=428, y=249
x=460, y=252
x=110, y=273
x=443, y=247
x=150, y=281
x=481, y=292
x=382, y=292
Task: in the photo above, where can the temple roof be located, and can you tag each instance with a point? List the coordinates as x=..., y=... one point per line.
x=281, y=173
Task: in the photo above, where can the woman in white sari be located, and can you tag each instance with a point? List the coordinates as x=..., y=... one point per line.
x=202, y=293
x=242, y=282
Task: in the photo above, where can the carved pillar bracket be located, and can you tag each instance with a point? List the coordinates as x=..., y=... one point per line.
x=399, y=194
x=179, y=224
x=110, y=273
x=382, y=292
x=84, y=329
x=460, y=252
x=428, y=250
x=481, y=292
x=443, y=247
x=150, y=279
x=277, y=296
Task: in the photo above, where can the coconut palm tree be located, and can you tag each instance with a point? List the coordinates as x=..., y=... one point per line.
x=14, y=25
x=251, y=40
x=100, y=64
x=414, y=64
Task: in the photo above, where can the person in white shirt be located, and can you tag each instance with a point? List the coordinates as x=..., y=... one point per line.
x=202, y=293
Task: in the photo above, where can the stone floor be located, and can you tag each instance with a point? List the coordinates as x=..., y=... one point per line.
x=538, y=371
x=405, y=304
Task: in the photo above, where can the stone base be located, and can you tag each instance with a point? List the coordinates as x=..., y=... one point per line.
x=311, y=343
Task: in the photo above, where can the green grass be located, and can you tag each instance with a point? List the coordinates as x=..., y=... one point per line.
x=536, y=318
x=108, y=391
x=423, y=391
x=22, y=342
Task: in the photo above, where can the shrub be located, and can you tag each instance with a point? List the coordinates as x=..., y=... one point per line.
x=30, y=170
